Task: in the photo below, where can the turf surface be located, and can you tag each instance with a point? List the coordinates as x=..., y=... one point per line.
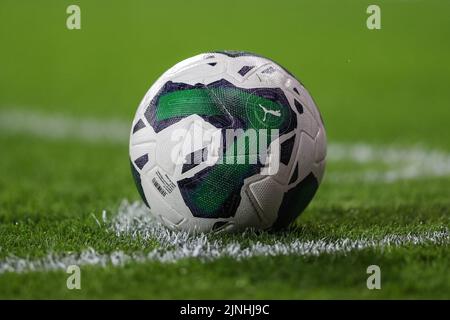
x=381, y=88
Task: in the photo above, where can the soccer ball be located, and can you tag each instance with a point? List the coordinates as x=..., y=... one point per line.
x=227, y=141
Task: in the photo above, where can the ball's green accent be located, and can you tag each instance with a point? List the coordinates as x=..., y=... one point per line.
x=223, y=101
x=254, y=113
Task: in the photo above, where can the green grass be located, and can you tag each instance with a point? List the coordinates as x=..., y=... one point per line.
x=386, y=87
x=407, y=273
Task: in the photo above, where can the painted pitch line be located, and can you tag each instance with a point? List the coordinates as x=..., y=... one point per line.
x=402, y=163
x=61, y=127
x=399, y=163
x=134, y=220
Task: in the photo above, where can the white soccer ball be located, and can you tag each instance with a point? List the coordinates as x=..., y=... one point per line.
x=227, y=141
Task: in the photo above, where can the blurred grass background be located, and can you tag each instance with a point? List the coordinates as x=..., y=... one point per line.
x=377, y=85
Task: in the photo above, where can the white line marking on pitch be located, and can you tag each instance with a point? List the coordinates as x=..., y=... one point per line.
x=134, y=220
x=63, y=127
x=398, y=163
